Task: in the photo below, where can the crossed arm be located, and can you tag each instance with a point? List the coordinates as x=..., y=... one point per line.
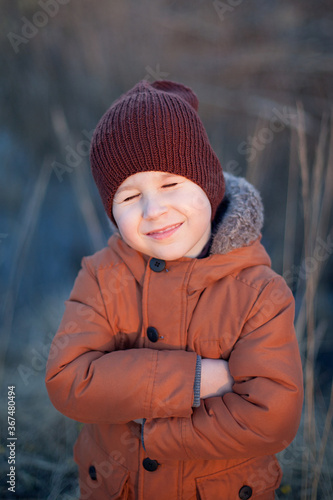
x=215, y=380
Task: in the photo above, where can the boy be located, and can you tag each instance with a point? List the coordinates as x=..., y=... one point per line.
x=177, y=348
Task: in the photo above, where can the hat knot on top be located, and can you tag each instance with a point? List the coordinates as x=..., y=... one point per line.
x=154, y=127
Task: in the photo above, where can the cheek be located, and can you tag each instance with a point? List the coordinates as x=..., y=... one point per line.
x=123, y=220
x=115, y=213
x=199, y=202
x=203, y=217
x=127, y=227
x=201, y=210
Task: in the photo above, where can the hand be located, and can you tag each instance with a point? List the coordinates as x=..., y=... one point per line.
x=138, y=420
x=215, y=378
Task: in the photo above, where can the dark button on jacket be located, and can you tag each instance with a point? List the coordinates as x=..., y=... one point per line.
x=245, y=492
x=149, y=464
x=92, y=473
x=157, y=265
x=152, y=334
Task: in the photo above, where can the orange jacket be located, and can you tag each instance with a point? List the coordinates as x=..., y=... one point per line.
x=107, y=367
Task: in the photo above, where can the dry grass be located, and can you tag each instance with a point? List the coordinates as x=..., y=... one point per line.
x=316, y=208
x=312, y=475
x=79, y=62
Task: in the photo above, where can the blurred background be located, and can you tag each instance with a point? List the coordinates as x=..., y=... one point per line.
x=263, y=73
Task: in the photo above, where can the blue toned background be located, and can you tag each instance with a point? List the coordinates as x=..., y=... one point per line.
x=263, y=73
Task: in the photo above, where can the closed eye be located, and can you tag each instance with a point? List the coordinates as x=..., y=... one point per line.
x=170, y=185
x=131, y=197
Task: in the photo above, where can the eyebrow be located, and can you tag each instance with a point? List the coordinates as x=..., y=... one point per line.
x=166, y=175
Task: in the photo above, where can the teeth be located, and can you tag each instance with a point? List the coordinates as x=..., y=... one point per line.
x=164, y=230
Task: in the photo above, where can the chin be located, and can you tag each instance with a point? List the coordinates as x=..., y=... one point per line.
x=169, y=255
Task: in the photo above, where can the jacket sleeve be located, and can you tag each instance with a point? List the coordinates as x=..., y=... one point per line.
x=262, y=414
x=91, y=380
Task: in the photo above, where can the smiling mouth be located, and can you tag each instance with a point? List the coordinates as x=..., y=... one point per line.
x=164, y=230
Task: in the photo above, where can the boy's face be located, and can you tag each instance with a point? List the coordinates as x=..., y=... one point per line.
x=147, y=202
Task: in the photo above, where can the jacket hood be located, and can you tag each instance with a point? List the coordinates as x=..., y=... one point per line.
x=240, y=216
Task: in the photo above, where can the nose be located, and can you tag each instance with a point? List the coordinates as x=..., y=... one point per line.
x=153, y=207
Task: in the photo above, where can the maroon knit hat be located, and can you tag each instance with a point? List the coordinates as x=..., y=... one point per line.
x=154, y=127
